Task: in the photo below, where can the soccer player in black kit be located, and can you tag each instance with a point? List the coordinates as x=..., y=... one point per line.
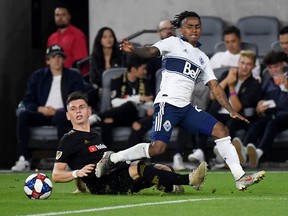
x=81, y=149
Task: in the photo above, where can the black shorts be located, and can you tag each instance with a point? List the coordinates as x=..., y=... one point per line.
x=117, y=182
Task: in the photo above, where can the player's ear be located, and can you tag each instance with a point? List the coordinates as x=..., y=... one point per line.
x=68, y=116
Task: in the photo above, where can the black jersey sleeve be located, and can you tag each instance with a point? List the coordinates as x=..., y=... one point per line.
x=65, y=149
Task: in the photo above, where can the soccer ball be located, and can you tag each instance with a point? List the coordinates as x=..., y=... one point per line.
x=38, y=186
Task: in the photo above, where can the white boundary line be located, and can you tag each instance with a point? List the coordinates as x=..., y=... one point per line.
x=124, y=206
x=148, y=204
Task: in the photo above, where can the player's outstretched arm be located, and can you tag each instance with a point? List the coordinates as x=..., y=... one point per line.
x=145, y=52
x=220, y=96
x=60, y=174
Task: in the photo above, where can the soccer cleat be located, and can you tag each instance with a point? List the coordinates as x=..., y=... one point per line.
x=240, y=150
x=94, y=118
x=249, y=179
x=21, y=165
x=104, y=165
x=81, y=186
x=178, y=162
x=178, y=189
x=253, y=157
x=197, y=155
x=197, y=177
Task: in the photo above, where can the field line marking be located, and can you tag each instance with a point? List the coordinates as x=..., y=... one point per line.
x=124, y=206
x=146, y=204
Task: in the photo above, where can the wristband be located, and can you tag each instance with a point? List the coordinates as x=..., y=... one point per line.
x=232, y=93
x=74, y=174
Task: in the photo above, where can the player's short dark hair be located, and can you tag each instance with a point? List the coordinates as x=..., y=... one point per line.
x=76, y=96
x=232, y=30
x=274, y=57
x=64, y=4
x=135, y=61
x=177, y=21
x=283, y=30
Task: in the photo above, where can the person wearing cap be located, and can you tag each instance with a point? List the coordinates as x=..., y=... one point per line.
x=70, y=38
x=47, y=90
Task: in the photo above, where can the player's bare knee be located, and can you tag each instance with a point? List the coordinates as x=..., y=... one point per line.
x=133, y=170
x=157, y=148
x=163, y=167
x=220, y=131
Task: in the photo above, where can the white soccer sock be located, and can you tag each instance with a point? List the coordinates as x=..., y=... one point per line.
x=259, y=153
x=138, y=151
x=229, y=154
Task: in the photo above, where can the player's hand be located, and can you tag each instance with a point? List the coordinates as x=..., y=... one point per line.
x=47, y=110
x=146, y=98
x=260, y=109
x=126, y=46
x=236, y=115
x=232, y=77
x=86, y=170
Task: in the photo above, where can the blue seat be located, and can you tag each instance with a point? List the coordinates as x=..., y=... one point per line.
x=261, y=30
x=212, y=28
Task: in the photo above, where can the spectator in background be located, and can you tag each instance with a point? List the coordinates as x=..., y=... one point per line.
x=272, y=110
x=242, y=91
x=283, y=39
x=165, y=29
x=130, y=95
x=70, y=38
x=44, y=99
x=105, y=55
x=230, y=57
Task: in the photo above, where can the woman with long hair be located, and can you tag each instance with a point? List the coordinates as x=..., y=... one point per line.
x=105, y=55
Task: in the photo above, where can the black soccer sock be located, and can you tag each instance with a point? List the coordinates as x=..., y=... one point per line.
x=161, y=177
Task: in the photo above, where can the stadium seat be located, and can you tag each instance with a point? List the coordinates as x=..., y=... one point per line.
x=43, y=143
x=219, y=71
x=262, y=30
x=106, y=80
x=212, y=28
x=120, y=134
x=276, y=46
x=220, y=47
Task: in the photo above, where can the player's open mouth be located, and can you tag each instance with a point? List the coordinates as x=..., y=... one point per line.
x=79, y=117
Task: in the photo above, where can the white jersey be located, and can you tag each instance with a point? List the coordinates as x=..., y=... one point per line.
x=227, y=59
x=182, y=65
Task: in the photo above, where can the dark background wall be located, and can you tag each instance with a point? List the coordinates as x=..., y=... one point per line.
x=25, y=28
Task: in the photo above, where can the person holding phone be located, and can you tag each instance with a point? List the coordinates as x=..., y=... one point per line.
x=272, y=110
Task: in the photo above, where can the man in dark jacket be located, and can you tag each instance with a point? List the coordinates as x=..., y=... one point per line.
x=272, y=110
x=47, y=90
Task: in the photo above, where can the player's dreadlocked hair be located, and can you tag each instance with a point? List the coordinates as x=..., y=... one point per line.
x=179, y=17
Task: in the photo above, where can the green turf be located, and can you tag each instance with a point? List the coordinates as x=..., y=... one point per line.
x=218, y=197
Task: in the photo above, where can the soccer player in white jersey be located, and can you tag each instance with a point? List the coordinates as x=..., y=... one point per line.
x=183, y=63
